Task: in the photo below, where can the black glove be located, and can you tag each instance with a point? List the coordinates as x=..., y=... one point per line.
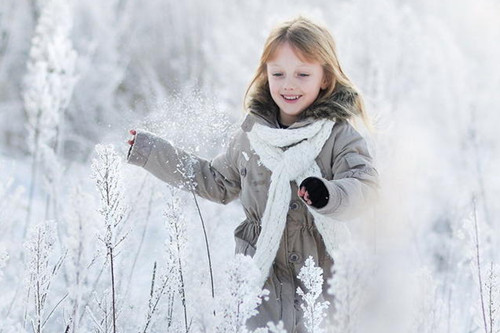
x=318, y=193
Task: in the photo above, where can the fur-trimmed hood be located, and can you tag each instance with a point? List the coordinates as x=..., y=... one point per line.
x=340, y=106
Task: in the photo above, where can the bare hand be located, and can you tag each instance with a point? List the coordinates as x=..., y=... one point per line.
x=304, y=195
x=131, y=141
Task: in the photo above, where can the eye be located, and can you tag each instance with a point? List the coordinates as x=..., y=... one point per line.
x=304, y=74
x=277, y=74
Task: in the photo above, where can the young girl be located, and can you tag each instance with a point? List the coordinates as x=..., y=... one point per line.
x=296, y=164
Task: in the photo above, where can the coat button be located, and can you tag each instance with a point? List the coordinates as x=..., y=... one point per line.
x=293, y=257
x=243, y=172
x=294, y=205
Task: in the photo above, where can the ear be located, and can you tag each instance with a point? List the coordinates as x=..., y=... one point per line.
x=324, y=83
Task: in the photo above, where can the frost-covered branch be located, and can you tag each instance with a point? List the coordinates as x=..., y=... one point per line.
x=314, y=311
x=176, y=228
x=106, y=172
x=165, y=287
x=80, y=243
x=493, y=299
x=187, y=169
x=39, y=249
x=49, y=83
x=4, y=256
x=51, y=77
x=241, y=295
x=9, y=199
x=478, y=262
x=102, y=325
x=428, y=313
x=349, y=285
x=489, y=295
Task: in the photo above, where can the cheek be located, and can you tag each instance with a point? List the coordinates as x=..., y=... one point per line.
x=314, y=86
x=273, y=87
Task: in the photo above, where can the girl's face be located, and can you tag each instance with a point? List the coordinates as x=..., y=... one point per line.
x=294, y=84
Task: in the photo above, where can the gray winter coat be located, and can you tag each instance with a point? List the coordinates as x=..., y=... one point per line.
x=348, y=174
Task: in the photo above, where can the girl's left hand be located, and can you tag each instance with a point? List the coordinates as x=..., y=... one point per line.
x=302, y=192
x=313, y=192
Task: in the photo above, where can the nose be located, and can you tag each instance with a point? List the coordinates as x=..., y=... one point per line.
x=288, y=85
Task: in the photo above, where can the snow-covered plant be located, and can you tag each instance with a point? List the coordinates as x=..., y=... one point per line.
x=241, y=296
x=4, y=188
x=80, y=218
x=106, y=170
x=103, y=33
x=51, y=72
x=39, y=248
x=349, y=285
x=9, y=197
x=428, y=304
x=49, y=83
x=4, y=256
x=492, y=299
x=314, y=310
x=158, y=291
x=493, y=292
x=176, y=228
x=487, y=306
x=103, y=322
x=188, y=169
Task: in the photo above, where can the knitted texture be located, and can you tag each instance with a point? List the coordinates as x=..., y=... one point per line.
x=295, y=163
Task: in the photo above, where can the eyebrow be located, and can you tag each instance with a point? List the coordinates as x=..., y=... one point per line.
x=300, y=65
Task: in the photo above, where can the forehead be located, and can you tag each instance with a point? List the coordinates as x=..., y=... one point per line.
x=286, y=52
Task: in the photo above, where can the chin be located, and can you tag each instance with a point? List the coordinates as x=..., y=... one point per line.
x=292, y=113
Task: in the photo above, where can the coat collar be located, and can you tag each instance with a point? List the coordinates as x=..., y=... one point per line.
x=340, y=106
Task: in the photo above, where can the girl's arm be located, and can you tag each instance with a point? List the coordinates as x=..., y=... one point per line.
x=355, y=180
x=216, y=180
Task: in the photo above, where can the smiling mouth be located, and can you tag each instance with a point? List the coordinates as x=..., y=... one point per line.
x=291, y=97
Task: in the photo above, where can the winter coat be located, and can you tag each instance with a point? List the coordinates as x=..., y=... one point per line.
x=347, y=171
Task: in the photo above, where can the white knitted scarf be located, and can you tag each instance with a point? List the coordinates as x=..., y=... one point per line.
x=295, y=163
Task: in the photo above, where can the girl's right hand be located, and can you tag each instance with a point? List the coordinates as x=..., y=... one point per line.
x=131, y=141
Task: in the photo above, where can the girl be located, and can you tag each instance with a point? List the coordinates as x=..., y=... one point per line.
x=296, y=164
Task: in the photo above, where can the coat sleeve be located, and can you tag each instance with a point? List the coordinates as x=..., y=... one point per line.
x=355, y=180
x=216, y=180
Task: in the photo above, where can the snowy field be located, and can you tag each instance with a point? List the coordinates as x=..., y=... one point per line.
x=91, y=244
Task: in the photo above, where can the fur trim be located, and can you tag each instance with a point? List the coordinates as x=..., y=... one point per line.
x=340, y=106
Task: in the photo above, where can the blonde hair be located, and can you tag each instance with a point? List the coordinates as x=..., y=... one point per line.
x=314, y=43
